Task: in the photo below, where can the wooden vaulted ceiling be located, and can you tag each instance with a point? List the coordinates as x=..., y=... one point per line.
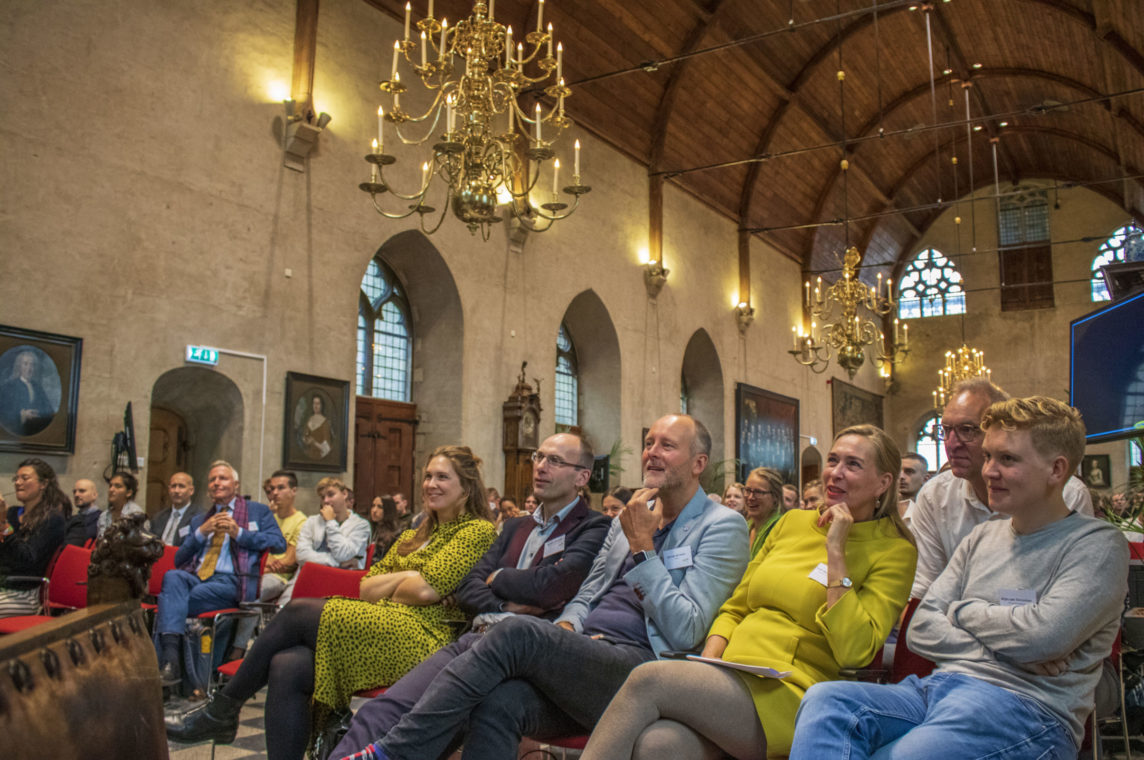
x=739, y=103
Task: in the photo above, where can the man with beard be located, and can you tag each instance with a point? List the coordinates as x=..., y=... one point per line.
x=670, y=559
x=83, y=525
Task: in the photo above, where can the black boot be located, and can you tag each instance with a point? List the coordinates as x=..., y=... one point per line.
x=169, y=671
x=216, y=720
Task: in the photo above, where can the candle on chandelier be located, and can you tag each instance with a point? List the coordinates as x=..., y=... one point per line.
x=536, y=124
x=424, y=49
x=550, y=40
x=397, y=95
x=793, y=337
x=511, y=117
x=373, y=166
x=380, y=142
x=818, y=290
x=555, y=177
x=896, y=333
x=560, y=100
x=424, y=176
x=396, y=51
x=559, y=62
x=441, y=50
x=408, y=10
x=807, y=286
x=492, y=9
x=576, y=164
x=508, y=47
x=451, y=113
x=520, y=56
x=539, y=16
x=430, y=8
x=905, y=336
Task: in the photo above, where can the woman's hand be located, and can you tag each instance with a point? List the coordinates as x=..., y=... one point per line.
x=714, y=647
x=840, y=520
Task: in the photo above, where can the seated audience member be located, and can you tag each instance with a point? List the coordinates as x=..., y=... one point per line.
x=1119, y=503
x=121, y=492
x=217, y=565
x=32, y=532
x=1018, y=622
x=734, y=499
x=173, y=524
x=915, y=472
x=812, y=495
x=384, y=525
x=790, y=497
x=281, y=568
x=655, y=585
x=508, y=511
x=536, y=565
x=335, y=537
x=317, y=652
x=404, y=513
x=952, y=502
x=268, y=491
x=530, y=504
x=615, y=500
x=83, y=525
x=763, y=496
x=793, y=611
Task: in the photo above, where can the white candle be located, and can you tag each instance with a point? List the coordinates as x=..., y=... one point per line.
x=537, y=122
x=452, y=114
x=539, y=16
x=576, y=164
x=508, y=48
x=807, y=285
x=560, y=62
x=373, y=167
x=905, y=336
x=430, y=8
x=408, y=10
x=441, y=51
x=555, y=176
x=550, y=40
x=492, y=9
x=896, y=333
x=380, y=143
x=520, y=55
x=424, y=175
x=424, y=49
x=396, y=51
x=793, y=336
x=396, y=95
x=560, y=101
x=511, y=118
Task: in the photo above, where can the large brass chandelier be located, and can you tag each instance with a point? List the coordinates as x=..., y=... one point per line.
x=486, y=144
x=965, y=364
x=843, y=330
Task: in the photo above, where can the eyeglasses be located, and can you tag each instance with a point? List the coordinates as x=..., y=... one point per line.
x=539, y=458
x=966, y=432
x=758, y=493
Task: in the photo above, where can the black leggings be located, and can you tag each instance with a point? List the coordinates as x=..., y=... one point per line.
x=283, y=659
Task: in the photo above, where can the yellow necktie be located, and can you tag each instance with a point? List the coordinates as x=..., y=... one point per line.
x=210, y=559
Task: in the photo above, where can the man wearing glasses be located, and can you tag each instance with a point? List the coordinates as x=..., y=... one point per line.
x=536, y=565
x=953, y=502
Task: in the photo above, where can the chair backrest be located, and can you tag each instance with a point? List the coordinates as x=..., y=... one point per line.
x=369, y=556
x=908, y=663
x=316, y=580
x=161, y=566
x=69, y=577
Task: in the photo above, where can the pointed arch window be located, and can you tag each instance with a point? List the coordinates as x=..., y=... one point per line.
x=1126, y=244
x=930, y=287
x=385, y=340
x=567, y=381
x=929, y=445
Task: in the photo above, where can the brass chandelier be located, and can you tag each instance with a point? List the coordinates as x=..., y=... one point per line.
x=485, y=144
x=965, y=364
x=844, y=331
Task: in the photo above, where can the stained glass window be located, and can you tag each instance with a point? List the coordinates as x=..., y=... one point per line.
x=929, y=445
x=384, y=344
x=1127, y=239
x=567, y=381
x=930, y=287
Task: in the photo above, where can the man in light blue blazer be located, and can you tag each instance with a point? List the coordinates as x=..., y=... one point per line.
x=669, y=562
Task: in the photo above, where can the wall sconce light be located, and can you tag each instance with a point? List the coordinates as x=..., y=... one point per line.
x=745, y=314
x=300, y=135
x=655, y=275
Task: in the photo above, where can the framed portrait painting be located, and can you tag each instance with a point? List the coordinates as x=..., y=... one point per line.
x=39, y=390
x=766, y=432
x=853, y=406
x=1095, y=470
x=317, y=423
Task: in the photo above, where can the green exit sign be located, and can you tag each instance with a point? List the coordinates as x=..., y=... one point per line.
x=202, y=355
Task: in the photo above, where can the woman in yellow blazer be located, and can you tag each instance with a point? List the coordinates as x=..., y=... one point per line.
x=822, y=594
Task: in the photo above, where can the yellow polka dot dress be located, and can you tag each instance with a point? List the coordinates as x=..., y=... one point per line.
x=363, y=645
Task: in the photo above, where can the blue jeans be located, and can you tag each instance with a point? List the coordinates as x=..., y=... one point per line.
x=184, y=595
x=524, y=677
x=942, y=715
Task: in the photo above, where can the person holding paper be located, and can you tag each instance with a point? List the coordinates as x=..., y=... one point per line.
x=1018, y=623
x=821, y=594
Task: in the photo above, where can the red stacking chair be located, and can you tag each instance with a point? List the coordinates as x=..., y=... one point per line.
x=158, y=570
x=66, y=589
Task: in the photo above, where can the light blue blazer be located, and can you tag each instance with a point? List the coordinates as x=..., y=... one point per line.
x=679, y=605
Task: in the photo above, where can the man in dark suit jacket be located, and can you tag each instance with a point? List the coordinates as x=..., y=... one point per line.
x=536, y=565
x=83, y=525
x=180, y=489
x=217, y=566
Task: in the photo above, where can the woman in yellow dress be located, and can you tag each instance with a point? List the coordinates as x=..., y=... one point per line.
x=822, y=594
x=317, y=652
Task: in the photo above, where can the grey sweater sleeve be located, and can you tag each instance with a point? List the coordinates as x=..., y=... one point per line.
x=932, y=633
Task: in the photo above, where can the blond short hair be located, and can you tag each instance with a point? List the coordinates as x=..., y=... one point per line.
x=227, y=465
x=1056, y=429
x=327, y=483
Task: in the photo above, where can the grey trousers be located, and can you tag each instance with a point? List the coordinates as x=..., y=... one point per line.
x=524, y=677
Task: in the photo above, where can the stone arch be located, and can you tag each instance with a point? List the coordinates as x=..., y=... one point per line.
x=593, y=333
x=438, y=330
x=212, y=406
x=703, y=374
x=810, y=465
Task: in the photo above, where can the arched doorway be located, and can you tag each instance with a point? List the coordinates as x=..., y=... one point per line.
x=701, y=380
x=196, y=418
x=811, y=464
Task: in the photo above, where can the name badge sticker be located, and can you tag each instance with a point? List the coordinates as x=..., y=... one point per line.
x=819, y=574
x=677, y=558
x=252, y=525
x=183, y=531
x=1017, y=597
x=555, y=546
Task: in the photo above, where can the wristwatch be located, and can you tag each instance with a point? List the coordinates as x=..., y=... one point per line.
x=644, y=556
x=844, y=583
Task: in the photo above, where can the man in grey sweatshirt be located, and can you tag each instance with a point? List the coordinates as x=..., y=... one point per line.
x=1018, y=622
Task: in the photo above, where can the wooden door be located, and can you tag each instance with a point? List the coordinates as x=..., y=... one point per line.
x=383, y=454
x=166, y=455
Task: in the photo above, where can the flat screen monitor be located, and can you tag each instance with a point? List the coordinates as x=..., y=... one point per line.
x=1107, y=370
